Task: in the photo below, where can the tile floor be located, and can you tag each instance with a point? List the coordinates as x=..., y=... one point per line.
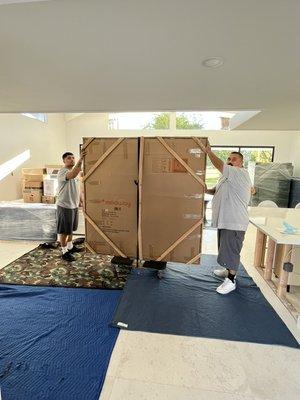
x=153, y=366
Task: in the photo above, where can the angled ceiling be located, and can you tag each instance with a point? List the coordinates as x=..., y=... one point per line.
x=136, y=55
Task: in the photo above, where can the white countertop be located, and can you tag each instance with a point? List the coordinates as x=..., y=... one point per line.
x=270, y=221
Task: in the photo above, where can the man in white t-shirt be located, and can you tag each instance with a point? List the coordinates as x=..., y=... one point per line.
x=229, y=214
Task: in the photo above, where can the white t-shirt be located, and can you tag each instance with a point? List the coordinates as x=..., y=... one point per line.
x=231, y=199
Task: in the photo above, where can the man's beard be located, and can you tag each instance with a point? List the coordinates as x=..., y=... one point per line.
x=230, y=164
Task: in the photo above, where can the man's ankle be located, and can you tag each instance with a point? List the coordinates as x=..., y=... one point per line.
x=231, y=275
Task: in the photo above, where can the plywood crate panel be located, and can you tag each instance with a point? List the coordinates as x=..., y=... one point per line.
x=111, y=195
x=172, y=200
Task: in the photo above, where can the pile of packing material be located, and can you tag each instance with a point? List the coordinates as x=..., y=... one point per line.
x=19, y=221
x=294, y=198
x=140, y=200
x=272, y=182
x=39, y=185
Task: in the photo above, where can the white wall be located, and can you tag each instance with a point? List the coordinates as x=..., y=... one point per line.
x=89, y=125
x=46, y=142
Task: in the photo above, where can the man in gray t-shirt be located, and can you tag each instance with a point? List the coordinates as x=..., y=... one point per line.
x=67, y=204
x=229, y=214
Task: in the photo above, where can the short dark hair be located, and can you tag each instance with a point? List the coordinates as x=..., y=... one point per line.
x=238, y=153
x=66, y=154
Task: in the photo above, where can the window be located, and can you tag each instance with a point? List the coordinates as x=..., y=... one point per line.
x=39, y=116
x=139, y=121
x=12, y=164
x=251, y=156
x=257, y=154
x=212, y=174
x=209, y=120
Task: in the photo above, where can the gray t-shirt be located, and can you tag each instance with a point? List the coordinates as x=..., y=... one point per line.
x=231, y=199
x=68, y=191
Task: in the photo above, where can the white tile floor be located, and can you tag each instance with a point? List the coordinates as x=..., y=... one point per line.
x=152, y=366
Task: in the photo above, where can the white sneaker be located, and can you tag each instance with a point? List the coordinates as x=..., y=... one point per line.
x=221, y=273
x=226, y=287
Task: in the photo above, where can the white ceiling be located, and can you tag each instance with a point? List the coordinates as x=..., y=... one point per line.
x=136, y=55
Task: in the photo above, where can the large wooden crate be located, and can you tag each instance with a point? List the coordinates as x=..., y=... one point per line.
x=144, y=197
x=171, y=207
x=110, y=187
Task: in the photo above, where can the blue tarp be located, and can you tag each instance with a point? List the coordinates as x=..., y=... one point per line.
x=55, y=343
x=185, y=302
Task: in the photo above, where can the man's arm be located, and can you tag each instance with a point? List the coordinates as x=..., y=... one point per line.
x=77, y=168
x=216, y=161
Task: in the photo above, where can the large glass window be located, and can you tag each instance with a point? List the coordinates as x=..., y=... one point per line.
x=139, y=120
x=206, y=120
x=251, y=156
x=212, y=174
x=257, y=154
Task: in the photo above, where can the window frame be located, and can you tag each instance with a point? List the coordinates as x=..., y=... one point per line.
x=35, y=117
x=246, y=147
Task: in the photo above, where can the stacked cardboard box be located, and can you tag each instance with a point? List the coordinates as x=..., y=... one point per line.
x=144, y=197
x=48, y=199
x=39, y=185
x=32, y=184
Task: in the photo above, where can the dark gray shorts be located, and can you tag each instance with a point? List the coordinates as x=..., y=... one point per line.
x=230, y=244
x=67, y=220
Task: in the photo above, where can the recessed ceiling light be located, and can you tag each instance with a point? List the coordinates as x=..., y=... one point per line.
x=213, y=62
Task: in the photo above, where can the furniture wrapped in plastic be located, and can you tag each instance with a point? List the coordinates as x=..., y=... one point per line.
x=272, y=182
x=25, y=221
x=294, y=192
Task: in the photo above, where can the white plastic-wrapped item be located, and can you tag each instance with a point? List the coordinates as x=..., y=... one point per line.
x=36, y=222
x=272, y=182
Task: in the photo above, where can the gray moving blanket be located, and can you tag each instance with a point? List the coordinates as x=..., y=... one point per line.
x=26, y=221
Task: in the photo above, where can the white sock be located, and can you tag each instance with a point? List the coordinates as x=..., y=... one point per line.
x=70, y=245
x=64, y=249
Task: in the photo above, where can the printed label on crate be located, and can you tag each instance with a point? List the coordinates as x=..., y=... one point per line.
x=114, y=203
x=168, y=165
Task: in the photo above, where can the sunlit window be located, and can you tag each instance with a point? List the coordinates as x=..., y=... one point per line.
x=39, y=116
x=12, y=164
x=251, y=155
x=208, y=120
x=139, y=120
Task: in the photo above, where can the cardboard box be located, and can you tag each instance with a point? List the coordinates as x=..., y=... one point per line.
x=32, y=178
x=48, y=199
x=111, y=196
x=33, y=171
x=32, y=195
x=52, y=169
x=50, y=187
x=172, y=200
x=32, y=184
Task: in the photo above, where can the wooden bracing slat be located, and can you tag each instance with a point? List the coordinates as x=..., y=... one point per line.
x=180, y=239
x=102, y=158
